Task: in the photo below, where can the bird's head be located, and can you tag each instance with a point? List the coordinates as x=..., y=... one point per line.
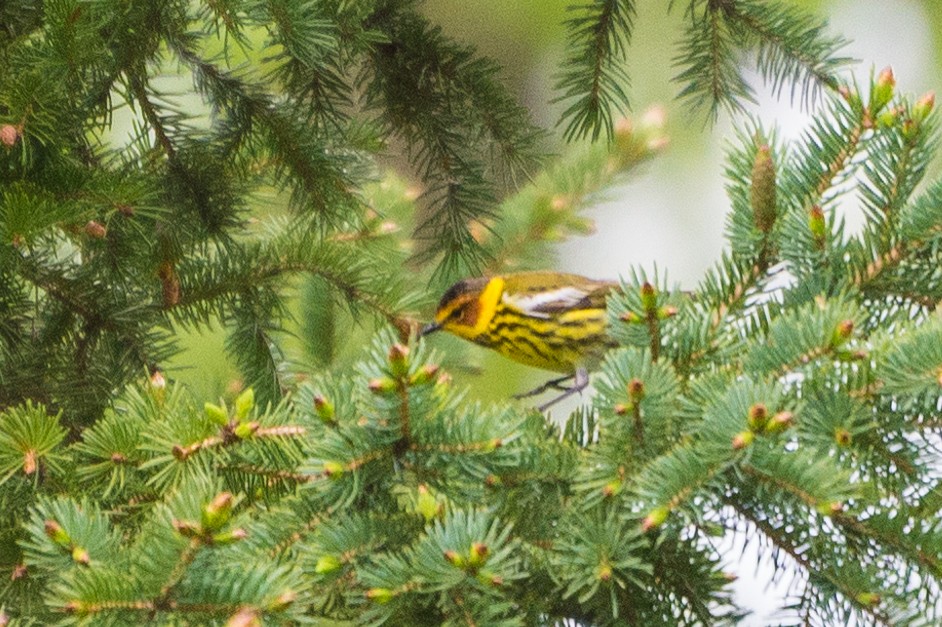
x=467, y=307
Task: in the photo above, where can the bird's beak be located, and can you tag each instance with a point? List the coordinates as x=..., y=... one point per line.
x=431, y=327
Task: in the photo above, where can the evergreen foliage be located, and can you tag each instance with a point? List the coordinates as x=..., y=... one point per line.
x=789, y=48
x=802, y=415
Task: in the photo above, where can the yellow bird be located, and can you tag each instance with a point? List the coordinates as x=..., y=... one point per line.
x=549, y=320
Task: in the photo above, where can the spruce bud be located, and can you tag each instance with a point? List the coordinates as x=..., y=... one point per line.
x=80, y=556
x=216, y=414
x=758, y=416
x=95, y=230
x=910, y=129
x=493, y=445
x=399, y=359
x=157, y=380
x=57, y=534
x=382, y=385
x=779, y=422
x=636, y=389
x=623, y=128
x=561, y=202
x=169, y=283
x=868, y=598
x=185, y=528
x=333, y=470
x=324, y=410
x=625, y=147
x=454, y=558
x=888, y=118
x=762, y=193
x=829, y=508
x=654, y=519
x=667, y=311
x=604, y=572
x=73, y=607
x=842, y=436
x=245, y=617
x=380, y=595
x=327, y=564
x=426, y=504
x=19, y=571
x=217, y=512
x=9, y=134
x=631, y=317
x=649, y=297
x=743, y=439
x=652, y=128
x=478, y=554
x=817, y=225
x=426, y=374
x=229, y=537
x=283, y=600
x=923, y=107
x=244, y=403
x=882, y=91
x=612, y=488
x=245, y=429
x=30, y=462
x=842, y=332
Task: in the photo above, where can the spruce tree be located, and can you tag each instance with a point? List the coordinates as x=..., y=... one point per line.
x=800, y=415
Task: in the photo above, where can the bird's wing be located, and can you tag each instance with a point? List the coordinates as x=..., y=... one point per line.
x=546, y=302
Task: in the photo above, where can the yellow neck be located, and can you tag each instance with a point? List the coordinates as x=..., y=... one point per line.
x=490, y=297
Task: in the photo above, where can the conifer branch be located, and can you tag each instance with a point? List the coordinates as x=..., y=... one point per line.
x=163, y=599
x=270, y=473
x=901, y=183
x=301, y=534
x=711, y=74
x=790, y=45
x=233, y=434
x=736, y=294
x=594, y=80
x=297, y=146
x=840, y=160
x=270, y=265
x=888, y=260
x=800, y=558
x=464, y=447
x=153, y=118
x=780, y=483
x=911, y=552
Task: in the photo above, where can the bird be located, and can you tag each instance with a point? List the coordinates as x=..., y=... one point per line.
x=550, y=320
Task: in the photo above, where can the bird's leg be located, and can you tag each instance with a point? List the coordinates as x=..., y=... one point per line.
x=579, y=384
x=554, y=384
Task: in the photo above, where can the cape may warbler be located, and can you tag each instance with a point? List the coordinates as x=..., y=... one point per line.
x=549, y=320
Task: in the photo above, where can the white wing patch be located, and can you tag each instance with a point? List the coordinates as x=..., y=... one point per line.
x=535, y=305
